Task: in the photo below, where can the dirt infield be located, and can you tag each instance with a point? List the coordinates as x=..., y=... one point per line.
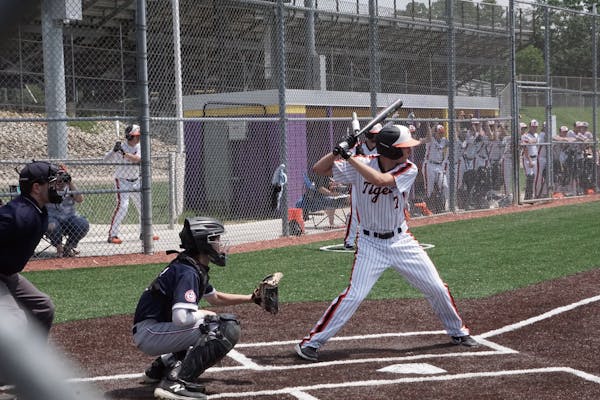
x=538, y=342
x=553, y=357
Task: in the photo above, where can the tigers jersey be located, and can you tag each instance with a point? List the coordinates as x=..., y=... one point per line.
x=380, y=209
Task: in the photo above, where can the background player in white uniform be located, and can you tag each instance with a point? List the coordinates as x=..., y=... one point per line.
x=507, y=163
x=127, y=178
x=382, y=184
x=529, y=157
x=540, y=185
x=365, y=148
x=434, y=167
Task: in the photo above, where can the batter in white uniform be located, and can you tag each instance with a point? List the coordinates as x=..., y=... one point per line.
x=367, y=148
x=127, y=179
x=382, y=184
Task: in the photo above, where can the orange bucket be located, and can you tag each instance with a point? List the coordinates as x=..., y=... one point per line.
x=295, y=214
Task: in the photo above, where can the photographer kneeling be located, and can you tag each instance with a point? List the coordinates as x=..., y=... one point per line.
x=63, y=219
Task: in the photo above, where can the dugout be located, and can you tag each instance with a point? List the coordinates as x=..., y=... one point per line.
x=230, y=161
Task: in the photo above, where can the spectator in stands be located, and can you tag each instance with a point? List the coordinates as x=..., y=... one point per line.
x=63, y=219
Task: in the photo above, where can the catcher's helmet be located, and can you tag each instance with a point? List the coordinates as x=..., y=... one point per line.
x=392, y=139
x=201, y=235
x=131, y=131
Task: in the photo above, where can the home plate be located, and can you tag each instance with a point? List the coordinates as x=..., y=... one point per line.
x=418, y=368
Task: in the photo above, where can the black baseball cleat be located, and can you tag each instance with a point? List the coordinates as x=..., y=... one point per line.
x=156, y=371
x=179, y=390
x=307, y=353
x=467, y=341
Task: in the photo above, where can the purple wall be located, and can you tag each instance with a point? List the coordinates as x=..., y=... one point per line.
x=252, y=163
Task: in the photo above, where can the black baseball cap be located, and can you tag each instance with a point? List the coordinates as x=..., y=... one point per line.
x=38, y=171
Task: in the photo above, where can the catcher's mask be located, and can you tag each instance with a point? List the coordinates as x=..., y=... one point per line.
x=392, y=139
x=202, y=235
x=131, y=131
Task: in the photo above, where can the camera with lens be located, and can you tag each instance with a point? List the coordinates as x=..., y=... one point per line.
x=63, y=177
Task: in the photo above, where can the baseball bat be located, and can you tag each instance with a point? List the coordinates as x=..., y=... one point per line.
x=389, y=110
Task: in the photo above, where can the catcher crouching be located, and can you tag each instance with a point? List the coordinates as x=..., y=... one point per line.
x=169, y=324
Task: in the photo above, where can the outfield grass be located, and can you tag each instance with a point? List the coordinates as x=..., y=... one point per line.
x=477, y=258
x=564, y=115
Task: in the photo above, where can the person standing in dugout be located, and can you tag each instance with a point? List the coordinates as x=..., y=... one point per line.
x=127, y=179
x=383, y=183
x=168, y=323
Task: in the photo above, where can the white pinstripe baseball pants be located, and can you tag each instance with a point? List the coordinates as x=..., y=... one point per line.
x=373, y=257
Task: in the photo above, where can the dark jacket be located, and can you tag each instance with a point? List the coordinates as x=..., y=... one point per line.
x=22, y=225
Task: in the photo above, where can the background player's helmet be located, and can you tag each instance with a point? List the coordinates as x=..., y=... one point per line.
x=201, y=235
x=392, y=139
x=373, y=131
x=131, y=131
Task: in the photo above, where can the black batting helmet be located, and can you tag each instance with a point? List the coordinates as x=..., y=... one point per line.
x=199, y=236
x=392, y=139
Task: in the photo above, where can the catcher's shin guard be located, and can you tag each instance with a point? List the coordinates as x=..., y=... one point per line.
x=210, y=348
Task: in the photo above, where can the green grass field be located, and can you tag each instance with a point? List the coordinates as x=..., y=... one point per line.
x=564, y=115
x=477, y=258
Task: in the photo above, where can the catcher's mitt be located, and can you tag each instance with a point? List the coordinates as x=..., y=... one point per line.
x=266, y=294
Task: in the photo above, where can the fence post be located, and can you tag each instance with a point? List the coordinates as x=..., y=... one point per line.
x=595, y=94
x=144, y=115
x=514, y=104
x=282, y=110
x=172, y=183
x=451, y=113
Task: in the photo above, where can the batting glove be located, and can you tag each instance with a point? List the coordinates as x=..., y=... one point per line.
x=343, y=150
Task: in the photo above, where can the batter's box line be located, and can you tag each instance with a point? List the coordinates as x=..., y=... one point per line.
x=322, y=364
x=538, y=318
x=294, y=391
x=248, y=364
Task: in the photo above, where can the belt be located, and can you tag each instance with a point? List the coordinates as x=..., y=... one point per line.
x=435, y=162
x=130, y=180
x=532, y=156
x=382, y=235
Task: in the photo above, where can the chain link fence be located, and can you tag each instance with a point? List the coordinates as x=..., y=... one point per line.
x=244, y=96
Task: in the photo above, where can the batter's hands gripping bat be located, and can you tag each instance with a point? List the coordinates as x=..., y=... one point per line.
x=343, y=148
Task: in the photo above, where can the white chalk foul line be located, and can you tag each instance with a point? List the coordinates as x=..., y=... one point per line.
x=302, y=395
x=541, y=317
x=343, y=338
x=437, y=378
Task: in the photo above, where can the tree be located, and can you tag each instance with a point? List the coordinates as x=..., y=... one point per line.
x=530, y=61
